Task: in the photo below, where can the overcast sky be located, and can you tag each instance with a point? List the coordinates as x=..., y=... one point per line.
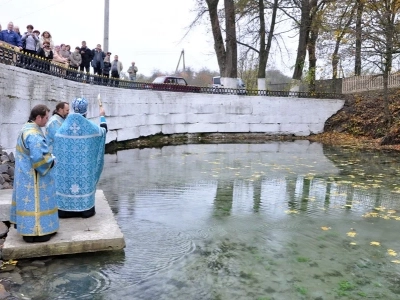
x=148, y=32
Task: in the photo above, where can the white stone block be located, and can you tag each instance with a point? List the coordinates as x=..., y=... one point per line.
x=201, y=127
x=233, y=127
x=174, y=128
x=149, y=130
x=128, y=133
x=269, y=129
x=111, y=136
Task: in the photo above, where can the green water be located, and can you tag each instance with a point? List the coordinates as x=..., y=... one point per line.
x=290, y=220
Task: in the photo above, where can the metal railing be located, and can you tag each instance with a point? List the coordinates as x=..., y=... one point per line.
x=14, y=57
x=364, y=83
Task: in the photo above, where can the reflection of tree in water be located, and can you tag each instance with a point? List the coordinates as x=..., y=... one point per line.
x=373, y=171
x=223, y=199
x=257, y=196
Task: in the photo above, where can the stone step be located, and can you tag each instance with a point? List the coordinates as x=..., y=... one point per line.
x=76, y=235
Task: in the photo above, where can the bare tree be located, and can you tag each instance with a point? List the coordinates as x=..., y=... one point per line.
x=357, y=63
x=226, y=56
x=340, y=21
x=254, y=37
x=381, y=33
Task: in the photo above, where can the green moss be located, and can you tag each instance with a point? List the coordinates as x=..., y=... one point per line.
x=302, y=290
x=346, y=286
x=302, y=259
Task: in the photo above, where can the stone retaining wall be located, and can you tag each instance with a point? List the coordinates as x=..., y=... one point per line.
x=138, y=113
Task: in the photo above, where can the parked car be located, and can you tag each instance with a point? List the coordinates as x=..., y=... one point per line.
x=218, y=86
x=172, y=83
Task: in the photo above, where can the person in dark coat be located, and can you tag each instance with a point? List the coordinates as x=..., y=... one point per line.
x=107, y=68
x=86, y=55
x=107, y=65
x=47, y=54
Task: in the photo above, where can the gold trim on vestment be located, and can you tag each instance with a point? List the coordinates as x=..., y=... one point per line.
x=21, y=149
x=37, y=214
x=42, y=162
x=37, y=228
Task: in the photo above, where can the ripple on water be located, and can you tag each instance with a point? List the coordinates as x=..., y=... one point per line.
x=152, y=248
x=86, y=283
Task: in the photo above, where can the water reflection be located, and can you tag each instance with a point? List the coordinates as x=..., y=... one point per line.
x=281, y=220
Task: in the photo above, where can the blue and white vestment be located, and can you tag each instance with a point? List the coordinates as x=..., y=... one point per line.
x=79, y=150
x=52, y=126
x=34, y=206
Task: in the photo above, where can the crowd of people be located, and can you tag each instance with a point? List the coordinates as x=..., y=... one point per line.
x=82, y=57
x=56, y=172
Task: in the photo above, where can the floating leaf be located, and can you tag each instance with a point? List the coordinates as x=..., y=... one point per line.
x=351, y=234
x=291, y=211
x=396, y=261
x=353, y=243
x=325, y=228
x=380, y=208
x=391, y=211
x=375, y=244
x=370, y=215
x=392, y=252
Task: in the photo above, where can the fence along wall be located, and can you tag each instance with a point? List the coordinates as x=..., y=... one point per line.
x=137, y=113
x=368, y=82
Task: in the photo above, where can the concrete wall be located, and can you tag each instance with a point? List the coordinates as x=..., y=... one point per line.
x=135, y=113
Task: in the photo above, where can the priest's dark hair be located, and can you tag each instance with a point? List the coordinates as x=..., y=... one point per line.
x=60, y=105
x=38, y=110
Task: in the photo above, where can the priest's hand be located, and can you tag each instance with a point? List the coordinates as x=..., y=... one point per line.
x=102, y=111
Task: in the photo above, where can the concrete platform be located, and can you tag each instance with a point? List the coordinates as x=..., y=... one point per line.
x=76, y=235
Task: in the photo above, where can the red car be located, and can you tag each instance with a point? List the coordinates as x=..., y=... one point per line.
x=174, y=84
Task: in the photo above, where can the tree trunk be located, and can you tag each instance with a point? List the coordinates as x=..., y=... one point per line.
x=262, y=65
x=231, y=46
x=335, y=54
x=303, y=40
x=388, y=56
x=312, y=42
x=265, y=49
x=360, y=10
x=312, y=58
x=216, y=30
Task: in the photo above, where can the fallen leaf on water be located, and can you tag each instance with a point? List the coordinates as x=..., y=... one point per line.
x=292, y=211
x=380, y=208
x=371, y=214
x=391, y=211
x=375, y=244
x=392, y=252
x=353, y=244
x=325, y=228
x=396, y=261
x=351, y=233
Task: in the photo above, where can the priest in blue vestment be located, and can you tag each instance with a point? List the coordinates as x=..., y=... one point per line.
x=79, y=146
x=58, y=117
x=34, y=206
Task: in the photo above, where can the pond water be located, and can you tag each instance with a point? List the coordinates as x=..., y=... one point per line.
x=280, y=220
